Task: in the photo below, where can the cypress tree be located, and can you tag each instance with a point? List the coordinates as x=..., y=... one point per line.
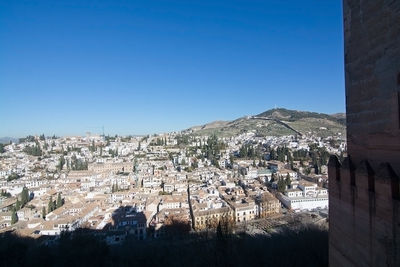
x=24, y=196
x=50, y=205
x=17, y=205
x=287, y=180
x=14, y=217
x=59, y=201
x=44, y=213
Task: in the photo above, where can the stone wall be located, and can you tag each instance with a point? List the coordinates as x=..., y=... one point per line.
x=372, y=71
x=364, y=214
x=364, y=190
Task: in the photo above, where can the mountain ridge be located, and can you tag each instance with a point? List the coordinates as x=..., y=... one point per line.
x=277, y=122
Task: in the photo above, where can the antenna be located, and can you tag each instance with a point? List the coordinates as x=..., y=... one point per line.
x=103, y=129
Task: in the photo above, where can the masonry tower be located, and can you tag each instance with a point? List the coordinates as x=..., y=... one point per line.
x=364, y=190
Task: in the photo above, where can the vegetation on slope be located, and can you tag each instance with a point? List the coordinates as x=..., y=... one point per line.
x=305, y=122
x=294, y=115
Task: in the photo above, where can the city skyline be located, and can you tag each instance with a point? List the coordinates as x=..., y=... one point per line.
x=137, y=68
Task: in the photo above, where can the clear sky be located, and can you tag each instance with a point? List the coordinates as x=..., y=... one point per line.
x=138, y=67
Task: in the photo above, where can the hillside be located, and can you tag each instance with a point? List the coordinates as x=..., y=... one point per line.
x=278, y=122
x=211, y=125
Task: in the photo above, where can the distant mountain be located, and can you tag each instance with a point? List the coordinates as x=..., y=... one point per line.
x=277, y=122
x=6, y=140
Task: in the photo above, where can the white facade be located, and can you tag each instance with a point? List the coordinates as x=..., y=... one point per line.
x=307, y=196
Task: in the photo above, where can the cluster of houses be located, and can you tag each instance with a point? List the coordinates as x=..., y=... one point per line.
x=134, y=186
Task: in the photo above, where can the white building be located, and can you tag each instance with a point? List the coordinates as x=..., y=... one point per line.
x=307, y=196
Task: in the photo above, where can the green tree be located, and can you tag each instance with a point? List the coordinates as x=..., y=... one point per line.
x=243, y=151
x=2, y=150
x=231, y=160
x=14, y=217
x=211, y=150
x=135, y=166
x=281, y=185
x=281, y=153
x=17, y=205
x=50, y=205
x=92, y=147
x=272, y=154
x=215, y=163
x=250, y=152
x=317, y=168
x=77, y=164
x=288, y=181
x=114, y=187
x=61, y=163
x=24, y=196
x=33, y=150
x=59, y=201
x=13, y=176
x=44, y=212
x=4, y=193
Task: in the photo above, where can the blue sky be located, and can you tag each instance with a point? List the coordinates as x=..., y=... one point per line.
x=137, y=67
